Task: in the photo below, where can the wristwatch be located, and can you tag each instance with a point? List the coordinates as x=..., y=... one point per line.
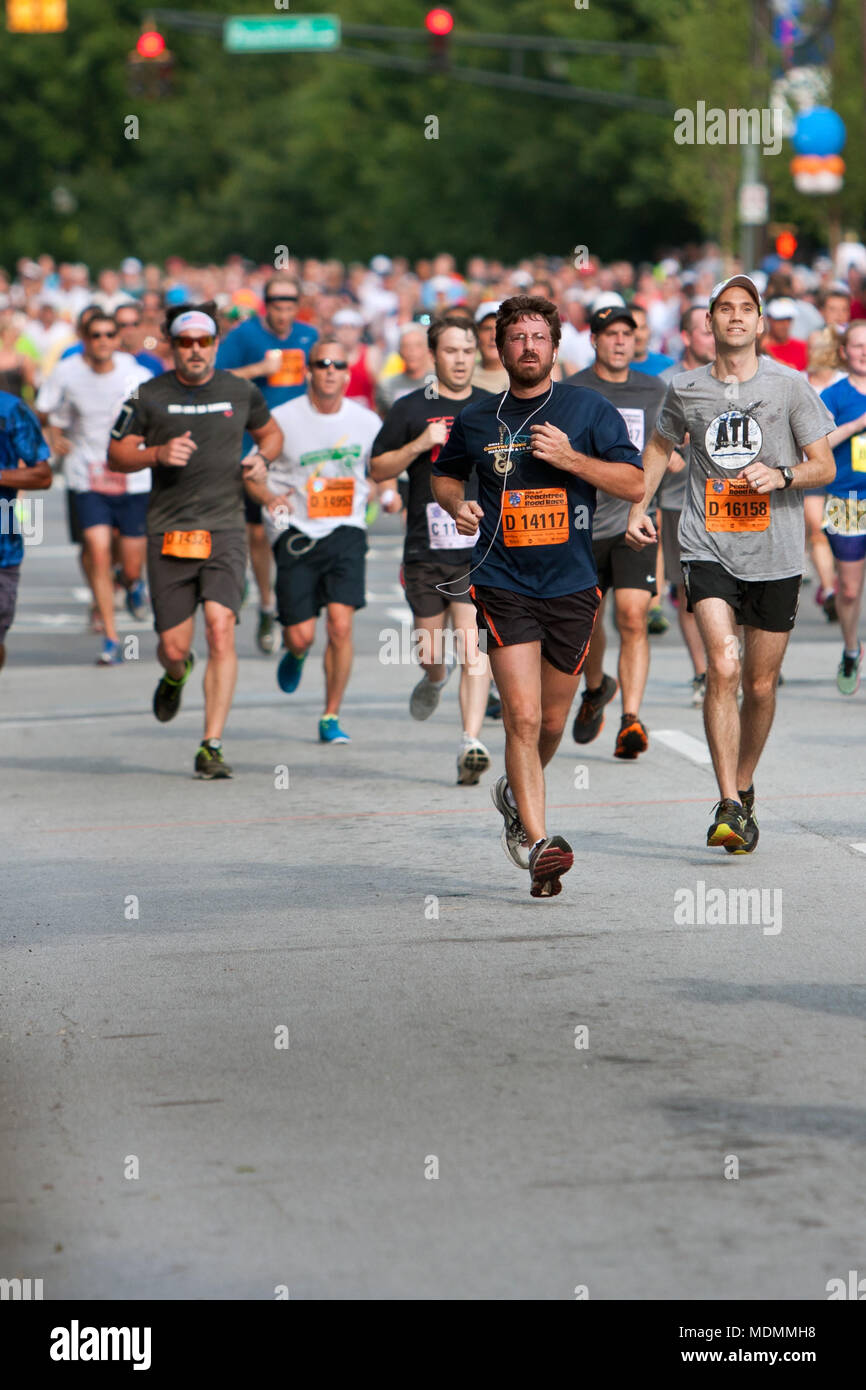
x=788, y=475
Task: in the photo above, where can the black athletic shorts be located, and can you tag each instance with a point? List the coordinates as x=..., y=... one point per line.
x=252, y=511
x=768, y=604
x=331, y=571
x=420, y=577
x=178, y=586
x=76, y=535
x=620, y=567
x=562, y=625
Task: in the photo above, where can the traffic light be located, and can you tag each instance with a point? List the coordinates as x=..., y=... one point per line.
x=35, y=16
x=149, y=66
x=439, y=24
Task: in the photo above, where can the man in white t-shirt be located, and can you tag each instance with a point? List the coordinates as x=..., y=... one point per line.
x=313, y=507
x=80, y=401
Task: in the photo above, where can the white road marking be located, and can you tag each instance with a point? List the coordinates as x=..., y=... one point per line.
x=692, y=748
x=402, y=615
x=861, y=846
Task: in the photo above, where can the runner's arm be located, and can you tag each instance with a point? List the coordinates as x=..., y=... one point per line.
x=818, y=469
x=125, y=456
x=843, y=432
x=34, y=477
x=269, y=440
x=393, y=461
x=448, y=492
x=641, y=529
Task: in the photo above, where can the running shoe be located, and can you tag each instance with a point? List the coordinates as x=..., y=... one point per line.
x=425, y=697
x=472, y=760
x=209, y=761
x=494, y=707
x=848, y=674
x=513, y=835
x=136, y=599
x=729, y=826
x=266, y=637
x=699, y=690
x=632, y=739
x=110, y=654
x=549, y=860
x=826, y=599
x=289, y=672
x=166, y=698
x=747, y=801
x=589, y=720
x=330, y=731
x=657, y=623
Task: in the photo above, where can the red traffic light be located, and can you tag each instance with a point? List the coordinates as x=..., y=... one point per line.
x=786, y=245
x=439, y=22
x=150, y=44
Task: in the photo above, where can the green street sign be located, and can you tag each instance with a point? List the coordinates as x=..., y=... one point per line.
x=265, y=34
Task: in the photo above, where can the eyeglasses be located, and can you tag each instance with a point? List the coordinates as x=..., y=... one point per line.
x=330, y=362
x=282, y=299
x=106, y=334
x=183, y=341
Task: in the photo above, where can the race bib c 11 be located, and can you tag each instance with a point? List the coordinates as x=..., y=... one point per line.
x=442, y=531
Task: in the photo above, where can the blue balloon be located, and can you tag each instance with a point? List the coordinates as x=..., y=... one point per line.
x=819, y=131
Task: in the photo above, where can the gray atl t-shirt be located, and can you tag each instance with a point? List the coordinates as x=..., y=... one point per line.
x=638, y=400
x=772, y=418
x=672, y=489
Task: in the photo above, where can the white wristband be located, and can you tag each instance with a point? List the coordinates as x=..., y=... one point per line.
x=387, y=497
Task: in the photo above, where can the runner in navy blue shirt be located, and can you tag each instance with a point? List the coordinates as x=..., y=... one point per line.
x=272, y=353
x=540, y=450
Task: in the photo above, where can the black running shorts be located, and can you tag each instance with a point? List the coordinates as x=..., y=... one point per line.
x=178, y=586
x=562, y=625
x=620, y=567
x=331, y=571
x=420, y=578
x=769, y=604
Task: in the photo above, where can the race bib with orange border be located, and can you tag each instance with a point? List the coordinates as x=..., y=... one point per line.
x=330, y=497
x=535, y=516
x=291, y=370
x=187, y=545
x=732, y=505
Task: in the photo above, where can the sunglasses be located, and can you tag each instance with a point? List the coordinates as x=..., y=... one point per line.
x=282, y=299
x=111, y=334
x=183, y=341
x=330, y=362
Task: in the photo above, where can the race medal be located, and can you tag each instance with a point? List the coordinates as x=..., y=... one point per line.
x=187, y=545
x=102, y=480
x=291, y=370
x=442, y=531
x=731, y=505
x=330, y=497
x=535, y=516
x=858, y=453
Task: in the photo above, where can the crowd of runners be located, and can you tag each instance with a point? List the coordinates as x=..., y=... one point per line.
x=558, y=437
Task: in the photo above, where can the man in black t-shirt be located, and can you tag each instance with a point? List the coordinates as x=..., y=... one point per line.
x=188, y=426
x=632, y=576
x=436, y=558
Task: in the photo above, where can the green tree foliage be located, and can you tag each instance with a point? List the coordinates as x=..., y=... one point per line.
x=327, y=156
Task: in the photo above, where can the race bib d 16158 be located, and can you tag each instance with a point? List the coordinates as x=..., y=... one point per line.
x=732, y=505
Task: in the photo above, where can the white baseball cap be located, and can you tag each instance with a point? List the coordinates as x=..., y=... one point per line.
x=781, y=309
x=349, y=318
x=488, y=307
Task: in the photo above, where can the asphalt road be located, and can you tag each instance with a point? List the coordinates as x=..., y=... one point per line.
x=589, y=1073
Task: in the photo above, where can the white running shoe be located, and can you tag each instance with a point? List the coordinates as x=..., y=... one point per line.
x=472, y=760
x=513, y=835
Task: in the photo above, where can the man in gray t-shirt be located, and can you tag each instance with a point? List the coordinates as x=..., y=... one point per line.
x=631, y=576
x=750, y=421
